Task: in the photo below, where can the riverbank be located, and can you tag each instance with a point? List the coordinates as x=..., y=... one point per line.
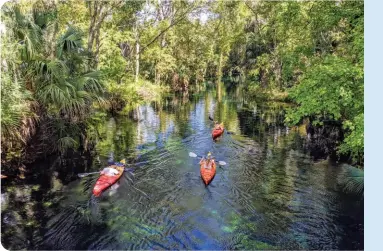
x=127, y=96
x=340, y=139
x=268, y=94
x=119, y=99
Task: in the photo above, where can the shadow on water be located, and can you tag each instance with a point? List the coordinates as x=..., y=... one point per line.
x=270, y=195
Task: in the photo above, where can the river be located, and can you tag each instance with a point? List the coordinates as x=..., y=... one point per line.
x=270, y=195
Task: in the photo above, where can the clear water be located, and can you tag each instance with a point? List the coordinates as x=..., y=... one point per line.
x=270, y=195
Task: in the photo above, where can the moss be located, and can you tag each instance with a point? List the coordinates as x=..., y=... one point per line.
x=126, y=235
x=10, y=189
x=227, y=229
x=47, y=204
x=31, y=223
x=256, y=245
x=35, y=187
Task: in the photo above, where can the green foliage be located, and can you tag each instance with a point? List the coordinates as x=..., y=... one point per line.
x=354, y=140
x=351, y=180
x=111, y=61
x=332, y=89
x=314, y=50
x=17, y=120
x=136, y=50
x=13, y=109
x=128, y=95
x=69, y=42
x=65, y=143
x=329, y=89
x=46, y=67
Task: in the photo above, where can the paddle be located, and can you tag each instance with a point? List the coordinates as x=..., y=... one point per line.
x=216, y=122
x=86, y=174
x=213, y=119
x=193, y=155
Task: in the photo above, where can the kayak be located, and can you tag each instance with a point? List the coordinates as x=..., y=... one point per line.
x=217, y=131
x=105, y=181
x=207, y=170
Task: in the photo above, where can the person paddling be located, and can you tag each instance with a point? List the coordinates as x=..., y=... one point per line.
x=109, y=171
x=217, y=126
x=207, y=162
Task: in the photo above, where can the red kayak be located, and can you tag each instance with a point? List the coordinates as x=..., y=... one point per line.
x=105, y=181
x=207, y=170
x=217, y=131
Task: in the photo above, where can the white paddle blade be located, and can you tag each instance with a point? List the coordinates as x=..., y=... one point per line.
x=222, y=163
x=193, y=155
x=81, y=175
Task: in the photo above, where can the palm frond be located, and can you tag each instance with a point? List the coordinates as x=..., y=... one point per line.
x=44, y=71
x=65, y=143
x=351, y=180
x=70, y=41
x=16, y=114
x=22, y=28
x=53, y=94
x=56, y=70
x=10, y=123
x=92, y=83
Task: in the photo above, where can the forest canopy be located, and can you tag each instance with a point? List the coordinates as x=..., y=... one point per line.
x=62, y=61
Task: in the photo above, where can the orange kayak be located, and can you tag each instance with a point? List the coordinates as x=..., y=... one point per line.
x=104, y=181
x=207, y=170
x=217, y=131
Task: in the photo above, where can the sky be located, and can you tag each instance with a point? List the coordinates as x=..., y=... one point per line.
x=149, y=13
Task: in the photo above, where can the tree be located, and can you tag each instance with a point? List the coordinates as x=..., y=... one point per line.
x=53, y=72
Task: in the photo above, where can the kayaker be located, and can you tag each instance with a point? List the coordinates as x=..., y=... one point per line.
x=217, y=126
x=109, y=171
x=206, y=164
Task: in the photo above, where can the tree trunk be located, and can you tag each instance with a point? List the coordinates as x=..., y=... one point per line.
x=90, y=37
x=278, y=72
x=97, y=12
x=137, y=61
x=155, y=74
x=162, y=17
x=219, y=71
x=219, y=91
x=97, y=49
x=93, y=13
x=96, y=39
x=263, y=78
x=53, y=41
x=137, y=56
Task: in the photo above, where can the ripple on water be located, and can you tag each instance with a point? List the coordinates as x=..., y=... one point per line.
x=269, y=195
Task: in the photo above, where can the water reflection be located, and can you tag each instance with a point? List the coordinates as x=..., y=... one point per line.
x=270, y=195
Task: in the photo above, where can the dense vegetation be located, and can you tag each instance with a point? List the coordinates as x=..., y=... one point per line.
x=64, y=61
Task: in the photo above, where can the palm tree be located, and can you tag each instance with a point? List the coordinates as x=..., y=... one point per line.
x=20, y=39
x=48, y=70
